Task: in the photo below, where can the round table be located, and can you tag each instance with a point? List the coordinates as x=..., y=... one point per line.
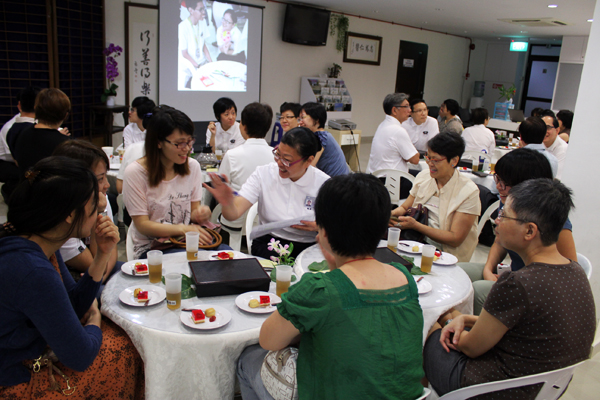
x=182, y=362
x=452, y=287
x=227, y=76
x=487, y=181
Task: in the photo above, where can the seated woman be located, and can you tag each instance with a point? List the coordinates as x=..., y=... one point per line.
x=515, y=167
x=225, y=133
x=228, y=35
x=75, y=253
x=565, y=121
x=537, y=319
x=290, y=112
x=162, y=191
x=451, y=198
x=284, y=190
x=478, y=137
x=339, y=357
x=42, y=307
x=331, y=158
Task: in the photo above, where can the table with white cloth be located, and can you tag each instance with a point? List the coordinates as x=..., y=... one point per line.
x=452, y=287
x=181, y=362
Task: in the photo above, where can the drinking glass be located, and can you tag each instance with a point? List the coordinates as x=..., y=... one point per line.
x=173, y=286
x=284, y=278
x=155, y=265
x=191, y=245
x=427, y=258
x=393, y=238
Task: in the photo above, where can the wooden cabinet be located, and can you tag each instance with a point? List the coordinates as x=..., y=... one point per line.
x=349, y=141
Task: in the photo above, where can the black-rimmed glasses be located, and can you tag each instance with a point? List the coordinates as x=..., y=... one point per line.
x=182, y=145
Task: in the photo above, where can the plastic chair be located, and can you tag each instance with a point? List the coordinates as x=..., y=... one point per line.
x=277, y=130
x=426, y=393
x=250, y=217
x=392, y=181
x=471, y=155
x=129, y=246
x=585, y=264
x=235, y=229
x=555, y=383
x=485, y=217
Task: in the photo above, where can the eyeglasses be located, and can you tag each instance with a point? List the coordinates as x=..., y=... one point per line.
x=227, y=21
x=182, y=145
x=500, y=183
x=402, y=106
x=420, y=111
x=285, y=162
x=433, y=160
x=501, y=215
x=288, y=117
x=548, y=127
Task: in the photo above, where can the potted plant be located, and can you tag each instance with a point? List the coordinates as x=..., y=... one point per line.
x=284, y=253
x=112, y=71
x=508, y=93
x=335, y=70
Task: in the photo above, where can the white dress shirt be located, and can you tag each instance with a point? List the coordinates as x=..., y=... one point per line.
x=133, y=134
x=4, y=150
x=420, y=134
x=559, y=150
x=479, y=138
x=226, y=139
x=391, y=147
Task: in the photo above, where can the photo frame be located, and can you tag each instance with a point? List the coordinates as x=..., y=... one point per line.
x=362, y=49
x=141, y=51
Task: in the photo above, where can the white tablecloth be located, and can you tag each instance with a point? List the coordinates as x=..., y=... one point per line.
x=181, y=362
x=452, y=287
x=487, y=181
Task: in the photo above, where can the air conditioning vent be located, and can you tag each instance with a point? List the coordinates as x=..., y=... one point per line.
x=535, y=22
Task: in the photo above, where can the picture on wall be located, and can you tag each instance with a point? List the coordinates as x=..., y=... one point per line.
x=362, y=49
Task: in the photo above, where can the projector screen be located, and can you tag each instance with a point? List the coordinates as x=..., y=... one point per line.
x=208, y=50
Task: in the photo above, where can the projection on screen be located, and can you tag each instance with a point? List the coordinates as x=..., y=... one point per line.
x=212, y=46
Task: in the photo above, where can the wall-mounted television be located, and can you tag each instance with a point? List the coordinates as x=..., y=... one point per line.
x=305, y=25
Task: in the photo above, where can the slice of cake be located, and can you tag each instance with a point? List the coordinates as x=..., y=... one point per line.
x=141, y=268
x=265, y=301
x=225, y=255
x=198, y=316
x=142, y=296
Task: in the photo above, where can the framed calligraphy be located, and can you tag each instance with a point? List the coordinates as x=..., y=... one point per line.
x=362, y=49
x=141, y=51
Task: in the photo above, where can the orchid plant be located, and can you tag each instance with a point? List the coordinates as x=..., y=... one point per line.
x=284, y=252
x=112, y=69
x=508, y=93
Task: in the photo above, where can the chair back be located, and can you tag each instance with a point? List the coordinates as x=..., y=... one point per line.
x=485, y=217
x=129, y=245
x=426, y=393
x=276, y=134
x=392, y=181
x=555, y=383
x=585, y=264
x=250, y=217
x=472, y=155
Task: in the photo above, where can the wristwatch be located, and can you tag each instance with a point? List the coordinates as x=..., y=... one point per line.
x=448, y=321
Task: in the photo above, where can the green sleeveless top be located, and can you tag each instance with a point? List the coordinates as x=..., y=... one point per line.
x=356, y=344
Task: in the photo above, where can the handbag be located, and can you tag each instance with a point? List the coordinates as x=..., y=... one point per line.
x=278, y=373
x=48, y=359
x=421, y=215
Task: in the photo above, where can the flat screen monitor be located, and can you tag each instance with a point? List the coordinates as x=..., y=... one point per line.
x=305, y=25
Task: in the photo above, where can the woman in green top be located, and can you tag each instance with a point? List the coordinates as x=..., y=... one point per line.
x=361, y=324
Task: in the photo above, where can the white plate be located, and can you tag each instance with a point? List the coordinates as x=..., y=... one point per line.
x=446, y=259
x=115, y=166
x=423, y=286
x=243, y=299
x=127, y=268
x=156, y=294
x=408, y=249
x=223, y=318
x=236, y=254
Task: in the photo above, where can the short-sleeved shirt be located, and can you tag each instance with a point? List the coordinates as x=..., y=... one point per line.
x=226, y=139
x=133, y=153
x=239, y=163
x=132, y=134
x=75, y=246
x=4, y=150
x=167, y=203
x=282, y=199
x=332, y=160
x=559, y=150
x=356, y=343
x=192, y=37
x=454, y=125
x=479, y=138
x=550, y=315
x=391, y=147
x=420, y=134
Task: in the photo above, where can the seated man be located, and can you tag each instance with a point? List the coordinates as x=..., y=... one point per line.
x=135, y=131
x=540, y=318
x=554, y=144
x=478, y=137
x=448, y=121
x=533, y=132
x=419, y=125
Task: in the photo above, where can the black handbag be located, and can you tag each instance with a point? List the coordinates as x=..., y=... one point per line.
x=421, y=215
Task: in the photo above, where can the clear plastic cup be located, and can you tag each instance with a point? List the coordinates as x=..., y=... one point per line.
x=427, y=258
x=284, y=278
x=393, y=238
x=191, y=245
x=155, y=265
x=173, y=287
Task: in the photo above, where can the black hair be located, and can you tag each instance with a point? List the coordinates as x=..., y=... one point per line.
x=414, y=102
x=361, y=196
x=393, y=100
x=54, y=187
x=143, y=106
x=82, y=150
x=303, y=140
x=316, y=111
x=222, y=105
x=537, y=112
x=232, y=13
x=27, y=97
x=257, y=118
x=532, y=130
x=550, y=113
x=546, y=203
x=452, y=106
x=447, y=144
x=295, y=108
x=521, y=165
x=566, y=118
x=479, y=115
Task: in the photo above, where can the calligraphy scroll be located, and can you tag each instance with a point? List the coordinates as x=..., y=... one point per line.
x=362, y=49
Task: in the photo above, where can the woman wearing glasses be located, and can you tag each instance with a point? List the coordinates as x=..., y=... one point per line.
x=284, y=190
x=162, y=191
x=451, y=198
x=515, y=167
x=228, y=35
x=290, y=112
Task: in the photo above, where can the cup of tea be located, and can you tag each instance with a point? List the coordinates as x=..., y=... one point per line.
x=173, y=287
x=427, y=258
x=393, y=238
x=284, y=278
x=155, y=265
x=191, y=245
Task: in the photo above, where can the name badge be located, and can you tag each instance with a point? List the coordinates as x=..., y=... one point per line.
x=309, y=202
x=425, y=132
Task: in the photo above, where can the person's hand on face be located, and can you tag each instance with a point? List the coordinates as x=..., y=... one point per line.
x=107, y=234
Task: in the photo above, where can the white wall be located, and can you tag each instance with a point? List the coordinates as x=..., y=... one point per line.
x=283, y=63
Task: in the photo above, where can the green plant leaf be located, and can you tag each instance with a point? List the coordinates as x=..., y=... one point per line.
x=417, y=271
x=274, y=276
x=318, y=266
x=188, y=289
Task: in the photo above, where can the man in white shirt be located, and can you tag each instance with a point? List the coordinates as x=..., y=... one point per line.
x=135, y=131
x=392, y=147
x=224, y=134
x=193, y=52
x=532, y=132
x=554, y=144
x=420, y=126
x=478, y=137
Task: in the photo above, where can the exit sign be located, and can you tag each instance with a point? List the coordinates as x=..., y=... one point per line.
x=518, y=46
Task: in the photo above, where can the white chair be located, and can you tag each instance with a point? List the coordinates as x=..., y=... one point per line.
x=129, y=246
x=426, y=393
x=585, y=264
x=472, y=155
x=392, y=181
x=555, y=383
x=250, y=222
x=485, y=217
x=235, y=235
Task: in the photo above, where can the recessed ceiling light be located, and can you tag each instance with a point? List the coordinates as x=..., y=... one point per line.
x=590, y=20
x=552, y=6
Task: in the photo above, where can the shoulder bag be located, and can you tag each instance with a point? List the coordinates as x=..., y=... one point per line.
x=278, y=373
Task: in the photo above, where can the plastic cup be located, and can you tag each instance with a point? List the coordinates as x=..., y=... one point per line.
x=173, y=287
x=393, y=238
x=155, y=265
x=109, y=152
x=427, y=258
x=191, y=245
x=284, y=278
x=219, y=154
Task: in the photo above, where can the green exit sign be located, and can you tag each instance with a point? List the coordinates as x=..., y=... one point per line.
x=518, y=46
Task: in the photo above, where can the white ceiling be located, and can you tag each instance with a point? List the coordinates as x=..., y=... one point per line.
x=473, y=18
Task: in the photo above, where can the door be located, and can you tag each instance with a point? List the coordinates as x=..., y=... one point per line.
x=539, y=78
x=412, y=63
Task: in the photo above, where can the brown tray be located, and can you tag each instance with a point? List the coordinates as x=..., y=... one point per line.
x=227, y=277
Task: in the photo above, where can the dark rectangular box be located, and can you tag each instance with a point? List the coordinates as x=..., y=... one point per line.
x=386, y=256
x=225, y=277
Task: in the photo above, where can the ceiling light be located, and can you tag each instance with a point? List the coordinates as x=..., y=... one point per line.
x=590, y=20
x=552, y=6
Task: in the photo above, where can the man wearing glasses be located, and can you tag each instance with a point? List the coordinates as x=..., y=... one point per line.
x=554, y=144
x=533, y=132
x=447, y=119
x=420, y=126
x=193, y=53
x=392, y=147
